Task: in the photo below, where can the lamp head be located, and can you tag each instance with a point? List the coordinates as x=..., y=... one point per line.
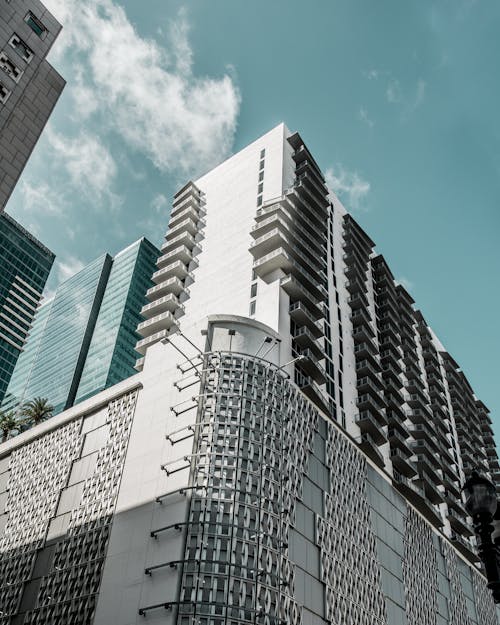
x=481, y=497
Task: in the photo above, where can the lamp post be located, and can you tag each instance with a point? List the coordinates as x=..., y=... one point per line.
x=481, y=504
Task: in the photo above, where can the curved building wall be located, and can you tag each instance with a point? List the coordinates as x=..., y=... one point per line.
x=208, y=490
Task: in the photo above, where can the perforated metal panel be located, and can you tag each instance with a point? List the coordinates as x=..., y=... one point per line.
x=38, y=472
x=486, y=611
x=254, y=437
x=349, y=566
x=69, y=593
x=419, y=571
x=457, y=604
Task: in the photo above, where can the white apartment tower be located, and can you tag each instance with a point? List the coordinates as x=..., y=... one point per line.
x=290, y=452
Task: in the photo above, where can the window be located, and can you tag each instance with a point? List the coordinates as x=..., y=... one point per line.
x=21, y=48
x=259, y=200
x=253, y=290
x=261, y=188
x=262, y=152
x=261, y=176
x=4, y=94
x=36, y=25
x=252, y=308
x=9, y=67
x=261, y=165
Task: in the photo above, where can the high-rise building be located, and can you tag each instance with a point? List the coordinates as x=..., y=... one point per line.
x=290, y=452
x=29, y=85
x=83, y=339
x=24, y=268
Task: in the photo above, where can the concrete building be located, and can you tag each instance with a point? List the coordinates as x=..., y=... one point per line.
x=29, y=85
x=83, y=339
x=25, y=264
x=268, y=463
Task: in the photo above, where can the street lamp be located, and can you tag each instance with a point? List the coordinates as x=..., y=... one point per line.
x=481, y=504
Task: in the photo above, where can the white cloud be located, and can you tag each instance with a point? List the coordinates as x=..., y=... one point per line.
x=363, y=116
x=407, y=284
x=90, y=166
x=148, y=93
x=40, y=199
x=372, y=74
x=68, y=267
x=159, y=203
x=420, y=93
x=393, y=92
x=347, y=185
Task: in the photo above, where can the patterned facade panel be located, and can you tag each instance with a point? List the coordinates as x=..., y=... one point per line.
x=68, y=594
x=256, y=433
x=485, y=608
x=419, y=571
x=457, y=603
x=38, y=472
x=349, y=566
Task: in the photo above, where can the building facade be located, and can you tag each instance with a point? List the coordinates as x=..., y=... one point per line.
x=25, y=265
x=29, y=85
x=83, y=339
x=271, y=462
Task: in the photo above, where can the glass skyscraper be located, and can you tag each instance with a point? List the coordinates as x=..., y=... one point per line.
x=25, y=264
x=111, y=355
x=83, y=339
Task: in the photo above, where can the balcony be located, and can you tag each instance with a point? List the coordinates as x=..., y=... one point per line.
x=181, y=253
x=390, y=372
x=309, y=387
x=363, y=333
x=172, y=285
x=168, y=302
x=310, y=365
x=305, y=339
x=367, y=422
x=370, y=447
x=361, y=317
x=143, y=344
x=355, y=271
x=298, y=291
x=189, y=212
x=370, y=403
x=458, y=522
x=406, y=486
x=302, y=316
x=311, y=192
x=163, y=321
x=402, y=463
x=176, y=269
x=367, y=385
x=464, y=546
x=355, y=286
x=366, y=367
x=182, y=239
x=184, y=226
x=428, y=483
x=366, y=350
x=358, y=301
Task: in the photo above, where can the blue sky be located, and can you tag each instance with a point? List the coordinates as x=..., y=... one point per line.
x=398, y=101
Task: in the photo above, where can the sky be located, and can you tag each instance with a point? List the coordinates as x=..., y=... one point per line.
x=398, y=101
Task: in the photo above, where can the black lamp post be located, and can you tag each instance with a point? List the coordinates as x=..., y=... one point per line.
x=481, y=504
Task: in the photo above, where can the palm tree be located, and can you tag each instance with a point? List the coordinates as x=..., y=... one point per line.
x=8, y=422
x=37, y=410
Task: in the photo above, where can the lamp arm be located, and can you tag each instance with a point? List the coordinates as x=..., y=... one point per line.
x=488, y=552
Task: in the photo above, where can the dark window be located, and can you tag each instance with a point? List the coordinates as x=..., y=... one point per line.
x=25, y=52
x=252, y=308
x=259, y=200
x=36, y=25
x=4, y=94
x=262, y=152
x=253, y=290
x=261, y=176
x=261, y=188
